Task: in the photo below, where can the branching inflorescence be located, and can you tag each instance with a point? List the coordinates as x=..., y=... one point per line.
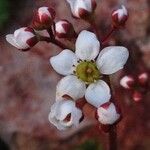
x=86, y=69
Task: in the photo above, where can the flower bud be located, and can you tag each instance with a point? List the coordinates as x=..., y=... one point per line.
x=43, y=18
x=137, y=96
x=107, y=114
x=23, y=38
x=127, y=82
x=143, y=78
x=82, y=8
x=119, y=17
x=64, y=114
x=64, y=29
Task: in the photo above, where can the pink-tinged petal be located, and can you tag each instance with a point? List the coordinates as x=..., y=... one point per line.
x=63, y=62
x=77, y=5
x=108, y=115
x=111, y=59
x=71, y=86
x=87, y=46
x=127, y=82
x=98, y=93
x=64, y=114
x=10, y=39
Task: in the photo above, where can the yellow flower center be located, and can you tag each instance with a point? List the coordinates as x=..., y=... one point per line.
x=87, y=71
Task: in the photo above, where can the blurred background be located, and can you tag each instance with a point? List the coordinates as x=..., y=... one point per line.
x=27, y=81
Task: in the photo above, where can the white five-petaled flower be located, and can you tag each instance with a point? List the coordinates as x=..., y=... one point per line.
x=84, y=69
x=43, y=18
x=64, y=114
x=107, y=114
x=23, y=38
x=82, y=8
x=120, y=16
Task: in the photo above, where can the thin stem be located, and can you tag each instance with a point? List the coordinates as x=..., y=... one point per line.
x=109, y=34
x=113, y=138
x=54, y=41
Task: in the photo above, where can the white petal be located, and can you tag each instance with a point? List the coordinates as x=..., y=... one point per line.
x=59, y=26
x=11, y=39
x=108, y=115
x=71, y=86
x=59, y=112
x=111, y=59
x=22, y=36
x=78, y=4
x=87, y=45
x=63, y=62
x=43, y=10
x=98, y=93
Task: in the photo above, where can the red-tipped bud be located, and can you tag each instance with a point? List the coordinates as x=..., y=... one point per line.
x=23, y=38
x=119, y=17
x=143, y=78
x=127, y=82
x=64, y=29
x=82, y=8
x=43, y=18
x=137, y=96
x=107, y=114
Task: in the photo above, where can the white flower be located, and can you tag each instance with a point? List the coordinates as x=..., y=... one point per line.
x=43, y=18
x=120, y=16
x=82, y=8
x=83, y=68
x=127, y=82
x=64, y=29
x=23, y=38
x=107, y=114
x=64, y=114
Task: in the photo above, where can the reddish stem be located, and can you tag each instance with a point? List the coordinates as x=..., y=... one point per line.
x=109, y=34
x=113, y=138
x=54, y=41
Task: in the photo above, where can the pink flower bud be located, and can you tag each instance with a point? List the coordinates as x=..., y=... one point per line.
x=64, y=29
x=119, y=17
x=127, y=82
x=23, y=38
x=82, y=8
x=143, y=78
x=137, y=96
x=43, y=18
x=107, y=114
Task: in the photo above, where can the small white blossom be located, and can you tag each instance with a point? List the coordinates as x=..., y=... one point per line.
x=23, y=38
x=107, y=114
x=82, y=8
x=64, y=114
x=83, y=69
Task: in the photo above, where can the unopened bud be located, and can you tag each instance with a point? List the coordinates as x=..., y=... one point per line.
x=82, y=8
x=23, y=38
x=43, y=18
x=64, y=29
x=119, y=17
x=143, y=78
x=107, y=114
x=127, y=82
x=137, y=96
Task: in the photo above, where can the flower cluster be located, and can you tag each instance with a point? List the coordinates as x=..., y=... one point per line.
x=136, y=85
x=85, y=69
